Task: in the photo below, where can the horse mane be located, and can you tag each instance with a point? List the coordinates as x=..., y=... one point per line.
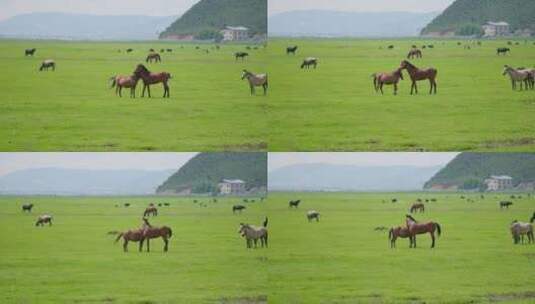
x=412, y=218
x=407, y=63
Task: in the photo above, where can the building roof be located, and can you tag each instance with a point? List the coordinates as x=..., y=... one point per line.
x=236, y=28
x=500, y=177
x=501, y=23
x=233, y=181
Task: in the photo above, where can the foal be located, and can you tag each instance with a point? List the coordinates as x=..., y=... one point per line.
x=394, y=233
x=380, y=79
x=256, y=80
x=120, y=82
x=252, y=234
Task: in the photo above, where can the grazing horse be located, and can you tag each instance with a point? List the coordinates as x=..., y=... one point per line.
x=237, y=208
x=291, y=50
x=27, y=207
x=502, y=50
x=505, y=204
x=134, y=235
x=29, y=52
x=522, y=76
x=43, y=219
x=417, y=74
x=394, y=233
x=294, y=204
x=121, y=82
x=380, y=79
x=313, y=214
x=129, y=50
x=519, y=229
x=256, y=80
x=127, y=204
x=151, y=211
x=151, y=232
x=252, y=234
x=420, y=228
x=414, y=53
x=418, y=207
x=153, y=57
x=309, y=61
x=49, y=63
x=152, y=78
x=241, y=55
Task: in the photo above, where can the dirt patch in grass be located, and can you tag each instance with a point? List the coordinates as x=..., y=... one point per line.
x=525, y=141
x=245, y=300
x=528, y=295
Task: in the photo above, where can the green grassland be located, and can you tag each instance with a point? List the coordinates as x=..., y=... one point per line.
x=335, y=108
x=75, y=261
x=341, y=259
x=73, y=109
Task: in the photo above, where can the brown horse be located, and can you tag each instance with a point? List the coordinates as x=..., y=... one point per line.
x=120, y=82
x=417, y=207
x=151, y=211
x=417, y=74
x=151, y=232
x=414, y=53
x=134, y=235
x=380, y=79
x=255, y=80
x=152, y=78
x=394, y=233
x=44, y=219
x=153, y=57
x=420, y=228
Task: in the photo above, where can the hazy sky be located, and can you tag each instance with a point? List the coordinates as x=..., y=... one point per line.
x=9, y=8
x=10, y=162
x=278, y=160
x=277, y=6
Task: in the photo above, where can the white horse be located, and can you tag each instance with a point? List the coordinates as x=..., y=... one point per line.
x=252, y=234
x=313, y=214
x=522, y=76
x=256, y=80
x=519, y=229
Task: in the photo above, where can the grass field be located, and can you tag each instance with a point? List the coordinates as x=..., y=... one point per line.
x=342, y=259
x=73, y=109
x=335, y=108
x=75, y=261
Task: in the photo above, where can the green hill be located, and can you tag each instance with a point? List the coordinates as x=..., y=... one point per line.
x=206, y=18
x=203, y=172
x=469, y=170
x=465, y=17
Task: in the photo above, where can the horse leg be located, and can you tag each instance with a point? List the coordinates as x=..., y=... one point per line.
x=141, y=245
x=252, y=89
x=148, y=245
x=125, y=245
x=148, y=90
x=143, y=91
x=166, y=242
x=395, y=89
x=432, y=240
x=412, y=87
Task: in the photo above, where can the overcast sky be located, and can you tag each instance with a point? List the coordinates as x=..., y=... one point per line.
x=278, y=6
x=10, y=162
x=278, y=160
x=9, y=8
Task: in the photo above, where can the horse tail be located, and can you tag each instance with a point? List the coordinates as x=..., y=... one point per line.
x=169, y=231
x=390, y=233
x=119, y=236
x=439, y=231
x=113, y=82
x=265, y=222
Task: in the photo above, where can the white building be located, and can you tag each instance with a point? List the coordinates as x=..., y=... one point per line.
x=235, y=33
x=499, y=183
x=494, y=29
x=231, y=186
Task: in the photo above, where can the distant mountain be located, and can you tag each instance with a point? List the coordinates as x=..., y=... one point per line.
x=326, y=177
x=82, y=182
x=520, y=14
x=352, y=24
x=469, y=170
x=83, y=27
x=214, y=15
x=202, y=173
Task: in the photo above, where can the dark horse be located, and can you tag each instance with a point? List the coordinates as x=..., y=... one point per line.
x=294, y=204
x=417, y=74
x=241, y=55
x=505, y=204
x=49, y=63
x=421, y=228
x=151, y=211
x=27, y=207
x=153, y=57
x=532, y=220
x=502, y=50
x=291, y=50
x=152, y=78
x=414, y=53
x=237, y=208
x=417, y=207
x=29, y=52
